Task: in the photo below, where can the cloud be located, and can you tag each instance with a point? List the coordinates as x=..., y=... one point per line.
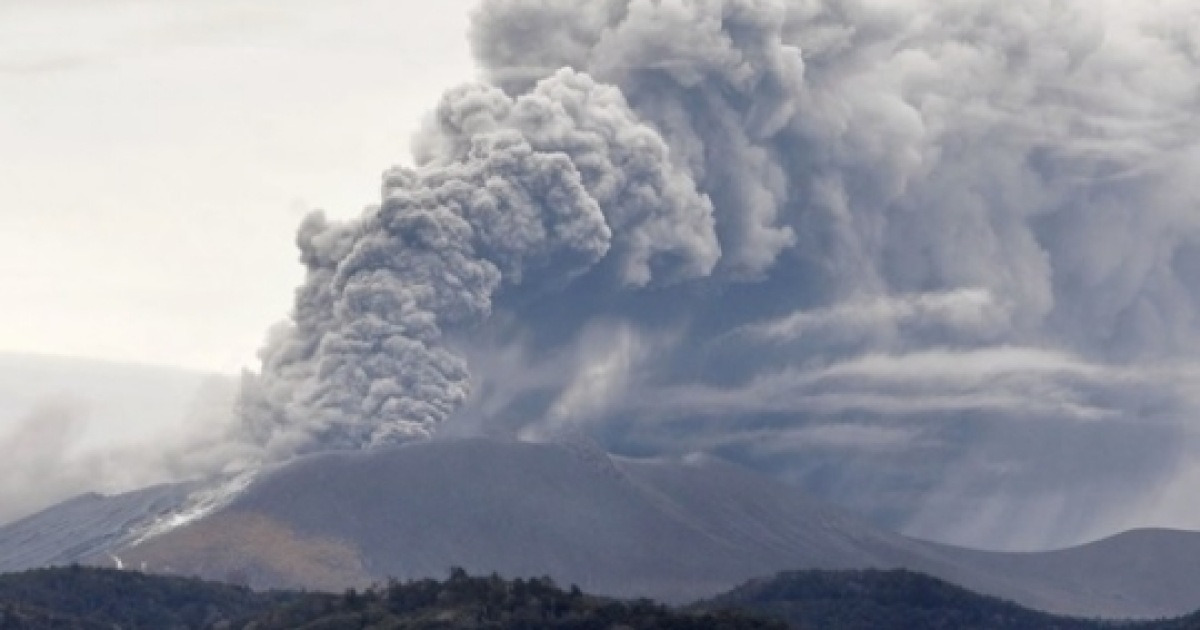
x=845, y=437
x=106, y=33
x=37, y=448
x=964, y=311
x=49, y=457
x=1020, y=382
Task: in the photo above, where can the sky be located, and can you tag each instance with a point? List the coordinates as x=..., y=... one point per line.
x=156, y=158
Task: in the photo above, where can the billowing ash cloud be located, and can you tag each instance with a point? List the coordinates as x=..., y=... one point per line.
x=530, y=191
x=926, y=258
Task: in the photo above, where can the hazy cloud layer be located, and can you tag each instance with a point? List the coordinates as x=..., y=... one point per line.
x=69, y=444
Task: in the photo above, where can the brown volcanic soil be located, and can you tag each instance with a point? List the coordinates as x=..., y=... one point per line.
x=252, y=549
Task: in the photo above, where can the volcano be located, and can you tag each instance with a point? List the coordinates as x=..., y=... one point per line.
x=674, y=530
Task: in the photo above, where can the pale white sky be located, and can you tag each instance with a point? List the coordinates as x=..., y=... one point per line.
x=157, y=155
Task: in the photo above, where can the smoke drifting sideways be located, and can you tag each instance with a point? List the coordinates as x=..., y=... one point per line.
x=50, y=456
x=931, y=259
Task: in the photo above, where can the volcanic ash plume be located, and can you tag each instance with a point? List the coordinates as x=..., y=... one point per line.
x=531, y=190
x=905, y=254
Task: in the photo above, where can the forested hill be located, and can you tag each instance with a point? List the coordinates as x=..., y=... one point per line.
x=883, y=600
x=87, y=598
x=102, y=598
x=79, y=597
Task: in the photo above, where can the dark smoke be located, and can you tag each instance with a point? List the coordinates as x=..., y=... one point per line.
x=930, y=258
x=529, y=191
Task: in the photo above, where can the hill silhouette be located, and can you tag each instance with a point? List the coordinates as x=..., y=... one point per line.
x=882, y=600
x=77, y=597
x=90, y=598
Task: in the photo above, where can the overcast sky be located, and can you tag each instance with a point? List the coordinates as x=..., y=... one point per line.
x=156, y=157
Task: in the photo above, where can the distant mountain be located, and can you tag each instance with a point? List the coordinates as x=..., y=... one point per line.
x=673, y=531
x=1143, y=573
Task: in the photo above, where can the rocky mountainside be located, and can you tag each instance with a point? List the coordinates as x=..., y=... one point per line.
x=85, y=527
x=671, y=530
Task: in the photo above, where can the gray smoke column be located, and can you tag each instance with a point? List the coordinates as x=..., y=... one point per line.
x=928, y=258
x=531, y=190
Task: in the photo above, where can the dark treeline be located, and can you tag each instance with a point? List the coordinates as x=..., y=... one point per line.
x=87, y=598
x=897, y=599
x=78, y=597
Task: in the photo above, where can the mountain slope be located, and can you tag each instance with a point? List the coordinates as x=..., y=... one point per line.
x=86, y=526
x=674, y=531
x=623, y=528
x=1140, y=573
